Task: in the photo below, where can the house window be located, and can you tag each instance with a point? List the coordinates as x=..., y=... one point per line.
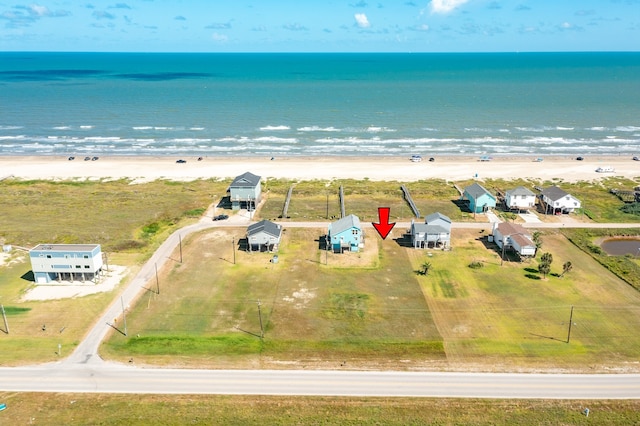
x=86, y=266
x=354, y=232
x=78, y=266
x=48, y=256
x=86, y=256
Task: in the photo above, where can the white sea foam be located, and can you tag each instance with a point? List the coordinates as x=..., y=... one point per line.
x=62, y=128
x=196, y=128
x=10, y=127
x=564, y=128
x=376, y=129
x=627, y=128
x=271, y=139
x=531, y=129
x=86, y=127
x=270, y=128
x=142, y=128
x=2, y=137
x=318, y=129
x=598, y=128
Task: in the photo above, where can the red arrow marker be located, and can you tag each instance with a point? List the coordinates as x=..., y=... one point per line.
x=384, y=227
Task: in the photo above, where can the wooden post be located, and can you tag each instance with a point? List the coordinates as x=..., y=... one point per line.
x=157, y=281
x=4, y=317
x=260, y=316
x=233, y=248
x=570, y=322
x=124, y=315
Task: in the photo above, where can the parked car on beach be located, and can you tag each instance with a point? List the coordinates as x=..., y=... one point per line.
x=221, y=217
x=181, y=161
x=416, y=158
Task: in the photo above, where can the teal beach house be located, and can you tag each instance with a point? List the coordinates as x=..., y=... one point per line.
x=480, y=200
x=346, y=234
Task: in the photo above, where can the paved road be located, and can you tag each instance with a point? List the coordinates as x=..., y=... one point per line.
x=109, y=378
x=85, y=371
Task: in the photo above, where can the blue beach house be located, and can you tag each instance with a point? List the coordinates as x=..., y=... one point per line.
x=245, y=191
x=346, y=234
x=480, y=200
x=65, y=262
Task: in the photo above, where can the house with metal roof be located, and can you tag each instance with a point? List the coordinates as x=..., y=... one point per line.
x=519, y=198
x=66, y=262
x=480, y=200
x=264, y=236
x=434, y=232
x=511, y=236
x=245, y=191
x=345, y=234
x=557, y=201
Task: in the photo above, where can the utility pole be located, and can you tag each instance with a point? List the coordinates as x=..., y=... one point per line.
x=326, y=249
x=502, y=257
x=233, y=249
x=124, y=316
x=327, y=206
x=4, y=317
x=157, y=281
x=570, y=322
x=260, y=316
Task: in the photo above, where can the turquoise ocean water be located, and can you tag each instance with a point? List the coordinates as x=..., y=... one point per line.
x=319, y=104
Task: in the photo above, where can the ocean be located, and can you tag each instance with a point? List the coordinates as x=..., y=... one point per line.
x=360, y=104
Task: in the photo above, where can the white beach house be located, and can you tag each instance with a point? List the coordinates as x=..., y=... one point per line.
x=65, y=262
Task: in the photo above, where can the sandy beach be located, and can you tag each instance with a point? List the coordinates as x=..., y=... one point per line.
x=141, y=169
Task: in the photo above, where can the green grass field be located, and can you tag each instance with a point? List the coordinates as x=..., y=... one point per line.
x=377, y=311
x=103, y=409
x=368, y=310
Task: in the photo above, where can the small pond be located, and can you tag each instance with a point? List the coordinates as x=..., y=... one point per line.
x=621, y=246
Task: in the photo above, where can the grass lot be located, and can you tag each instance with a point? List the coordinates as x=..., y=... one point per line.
x=374, y=311
x=65, y=320
x=508, y=317
x=364, y=308
x=309, y=198
x=82, y=409
x=129, y=221
x=115, y=214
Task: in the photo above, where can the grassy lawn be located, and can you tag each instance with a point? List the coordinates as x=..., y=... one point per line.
x=65, y=321
x=102, y=409
x=362, y=308
x=129, y=221
x=510, y=316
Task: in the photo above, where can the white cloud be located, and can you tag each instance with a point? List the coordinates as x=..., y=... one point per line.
x=446, y=6
x=361, y=20
x=566, y=25
x=220, y=38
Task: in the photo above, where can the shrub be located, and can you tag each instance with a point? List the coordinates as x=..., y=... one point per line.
x=476, y=265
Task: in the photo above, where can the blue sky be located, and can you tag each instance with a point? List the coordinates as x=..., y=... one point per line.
x=321, y=25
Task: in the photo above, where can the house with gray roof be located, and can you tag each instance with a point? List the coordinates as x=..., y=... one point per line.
x=556, y=201
x=264, y=236
x=245, y=191
x=480, y=200
x=434, y=232
x=511, y=236
x=519, y=198
x=345, y=234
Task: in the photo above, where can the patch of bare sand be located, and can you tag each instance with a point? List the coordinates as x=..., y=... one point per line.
x=67, y=289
